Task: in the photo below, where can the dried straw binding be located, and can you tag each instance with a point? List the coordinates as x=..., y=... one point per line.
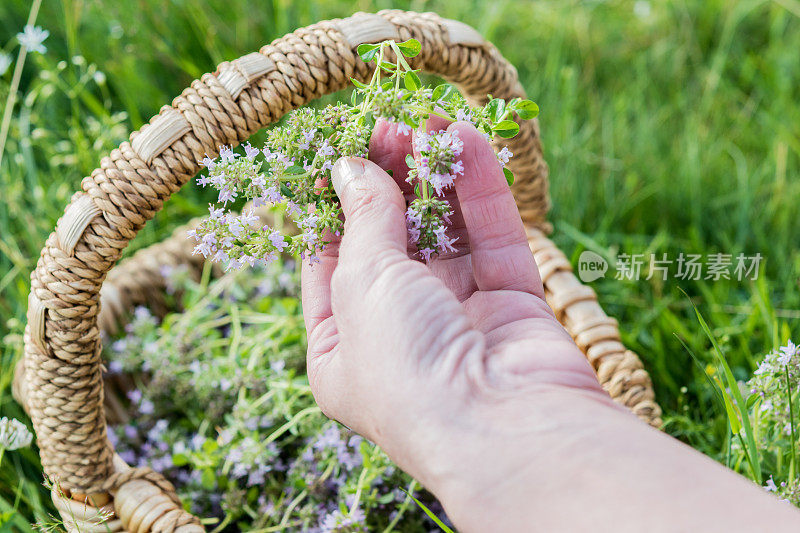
x=60, y=380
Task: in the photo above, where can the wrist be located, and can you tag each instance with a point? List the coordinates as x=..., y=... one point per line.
x=489, y=473
x=580, y=458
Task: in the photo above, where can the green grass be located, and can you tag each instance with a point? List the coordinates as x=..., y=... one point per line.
x=675, y=132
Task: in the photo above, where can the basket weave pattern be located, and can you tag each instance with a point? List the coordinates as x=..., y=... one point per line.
x=60, y=380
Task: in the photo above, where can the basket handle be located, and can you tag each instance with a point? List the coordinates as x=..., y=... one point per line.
x=62, y=338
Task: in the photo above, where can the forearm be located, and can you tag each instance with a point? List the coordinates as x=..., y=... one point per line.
x=579, y=465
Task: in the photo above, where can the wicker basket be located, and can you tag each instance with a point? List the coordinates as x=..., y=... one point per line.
x=60, y=379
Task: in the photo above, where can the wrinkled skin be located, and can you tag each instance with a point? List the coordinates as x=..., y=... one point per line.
x=460, y=372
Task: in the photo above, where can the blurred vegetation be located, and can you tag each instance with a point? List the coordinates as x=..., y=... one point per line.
x=668, y=127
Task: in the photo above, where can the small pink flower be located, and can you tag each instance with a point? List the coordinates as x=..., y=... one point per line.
x=227, y=155
x=250, y=152
x=277, y=240
x=403, y=129
x=208, y=163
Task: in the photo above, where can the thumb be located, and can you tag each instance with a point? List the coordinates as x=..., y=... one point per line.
x=374, y=239
x=374, y=209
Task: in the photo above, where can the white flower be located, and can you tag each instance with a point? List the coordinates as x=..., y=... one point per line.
x=32, y=38
x=765, y=367
x=504, y=155
x=403, y=129
x=770, y=486
x=767, y=405
x=787, y=353
x=465, y=115
x=5, y=62
x=14, y=434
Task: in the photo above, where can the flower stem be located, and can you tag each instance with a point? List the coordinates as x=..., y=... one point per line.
x=374, y=82
x=793, y=460
x=400, y=57
x=291, y=177
x=432, y=111
x=411, y=488
x=397, y=75
x=294, y=503
x=12, y=92
x=360, y=482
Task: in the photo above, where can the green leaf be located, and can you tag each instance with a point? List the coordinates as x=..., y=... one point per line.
x=410, y=161
x=366, y=451
x=367, y=51
x=389, y=67
x=294, y=169
x=369, y=56
x=363, y=48
x=752, y=400
x=180, y=459
x=411, y=81
x=410, y=48
x=526, y=109
x=734, y=418
x=506, y=129
x=358, y=83
x=496, y=108
x=208, y=479
x=412, y=122
x=443, y=92
x=716, y=386
x=509, y=176
x=430, y=513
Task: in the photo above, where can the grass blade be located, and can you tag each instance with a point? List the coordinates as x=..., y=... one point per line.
x=733, y=386
x=430, y=513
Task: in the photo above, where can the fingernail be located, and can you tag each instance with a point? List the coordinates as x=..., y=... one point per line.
x=345, y=170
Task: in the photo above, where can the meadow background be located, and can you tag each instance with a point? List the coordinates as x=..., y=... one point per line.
x=668, y=126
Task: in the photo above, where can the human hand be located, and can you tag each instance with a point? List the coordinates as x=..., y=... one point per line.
x=418, y=357
x=460, y=372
